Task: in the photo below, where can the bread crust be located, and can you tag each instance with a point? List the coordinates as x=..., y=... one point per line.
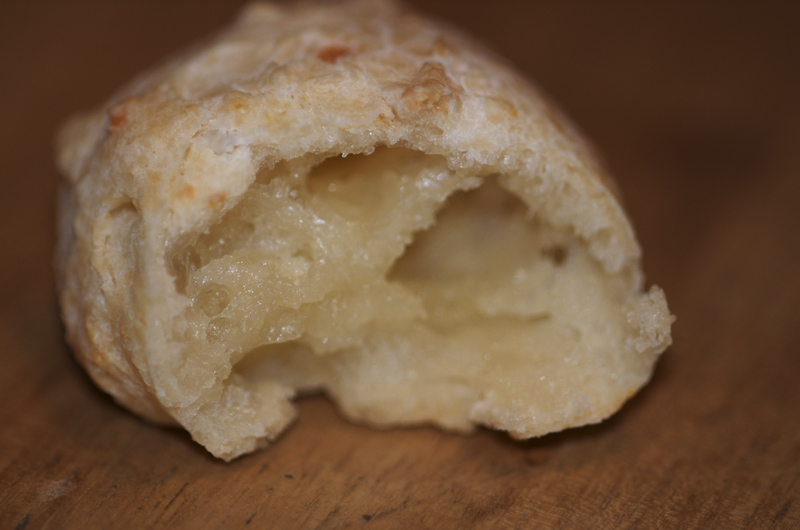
x=177, y=150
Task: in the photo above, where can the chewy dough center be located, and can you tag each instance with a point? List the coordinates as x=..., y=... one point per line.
x=395, y=284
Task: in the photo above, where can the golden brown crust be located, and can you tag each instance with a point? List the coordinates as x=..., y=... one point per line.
x=185, y=146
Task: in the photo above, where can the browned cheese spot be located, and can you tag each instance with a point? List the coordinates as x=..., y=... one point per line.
x=331, y=53
x=118, y=114
x=187, y=192
x=217, y=200
x=441, y=48
x=432, y=90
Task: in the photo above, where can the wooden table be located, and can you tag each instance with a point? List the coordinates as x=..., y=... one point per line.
x=697, y=109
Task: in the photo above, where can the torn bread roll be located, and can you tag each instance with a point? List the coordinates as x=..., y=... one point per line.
x=351, y=199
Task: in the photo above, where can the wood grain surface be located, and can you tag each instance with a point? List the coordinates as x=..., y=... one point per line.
x=696, y=107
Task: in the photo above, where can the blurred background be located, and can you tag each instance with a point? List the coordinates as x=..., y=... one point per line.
x=695, y=108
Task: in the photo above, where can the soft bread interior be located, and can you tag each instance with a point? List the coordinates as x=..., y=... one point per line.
x=407, y=291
